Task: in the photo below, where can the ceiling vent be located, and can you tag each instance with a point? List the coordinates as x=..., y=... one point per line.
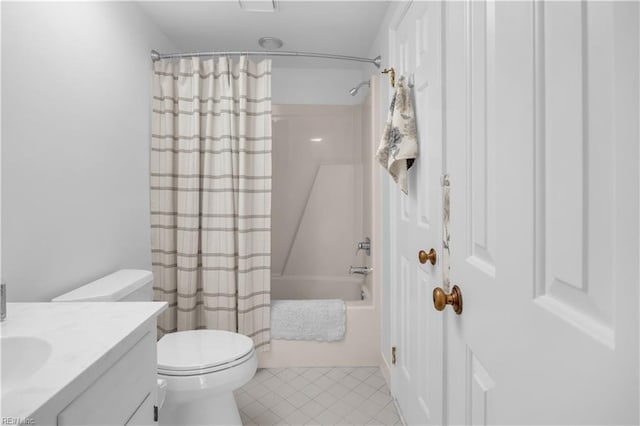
x=258, y=5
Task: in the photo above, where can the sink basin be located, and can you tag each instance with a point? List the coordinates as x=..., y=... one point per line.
x=20, y=358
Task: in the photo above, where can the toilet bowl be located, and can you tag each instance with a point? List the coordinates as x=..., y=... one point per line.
x=198, y=369
x=200, y=383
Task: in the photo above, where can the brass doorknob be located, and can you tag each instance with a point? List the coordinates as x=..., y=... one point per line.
x=423, y=256
x=442, y=299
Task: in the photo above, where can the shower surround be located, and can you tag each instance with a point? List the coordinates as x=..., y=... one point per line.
x=322, y=206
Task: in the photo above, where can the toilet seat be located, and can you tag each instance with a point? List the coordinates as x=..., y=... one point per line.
x=197, y=352
x=201, y=371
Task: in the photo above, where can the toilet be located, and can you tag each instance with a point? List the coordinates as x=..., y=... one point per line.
x=198, y=369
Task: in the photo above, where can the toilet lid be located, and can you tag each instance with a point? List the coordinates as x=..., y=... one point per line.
x=201, y=349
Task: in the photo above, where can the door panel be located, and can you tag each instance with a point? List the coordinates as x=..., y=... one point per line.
x=479, y=397
x=472, y=155
x=480, y=147
x=543, y=158
x=417, y=222
x=573, y=144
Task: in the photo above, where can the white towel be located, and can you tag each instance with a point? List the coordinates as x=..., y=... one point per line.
x=322, y=319
x=399, y=145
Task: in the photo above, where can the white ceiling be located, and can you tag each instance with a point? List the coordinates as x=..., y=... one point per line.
x=336, y=27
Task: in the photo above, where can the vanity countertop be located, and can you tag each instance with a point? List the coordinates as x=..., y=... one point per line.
x=84, y=339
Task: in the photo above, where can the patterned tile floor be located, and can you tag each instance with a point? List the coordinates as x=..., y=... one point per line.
x=317, y=396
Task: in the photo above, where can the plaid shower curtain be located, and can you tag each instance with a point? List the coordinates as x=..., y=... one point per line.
x=211, y=195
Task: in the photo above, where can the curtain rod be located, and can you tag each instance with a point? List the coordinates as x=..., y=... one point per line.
x=155, y=55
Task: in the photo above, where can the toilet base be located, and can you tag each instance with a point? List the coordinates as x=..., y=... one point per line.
x=217, y=410
x=206, y=398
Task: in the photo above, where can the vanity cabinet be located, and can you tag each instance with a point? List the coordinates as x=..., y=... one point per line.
x=122, y=394
x=100, y=369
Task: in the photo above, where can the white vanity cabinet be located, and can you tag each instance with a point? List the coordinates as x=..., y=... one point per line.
x=100, y=369
x=122, y=395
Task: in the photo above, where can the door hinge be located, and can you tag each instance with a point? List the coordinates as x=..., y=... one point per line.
x=155, y=413
x=393, y=355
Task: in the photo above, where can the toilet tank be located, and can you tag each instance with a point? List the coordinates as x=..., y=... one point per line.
x=126, y=285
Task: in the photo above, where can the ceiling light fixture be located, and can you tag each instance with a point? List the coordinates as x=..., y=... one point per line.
x=316, y=139
x=270, y=43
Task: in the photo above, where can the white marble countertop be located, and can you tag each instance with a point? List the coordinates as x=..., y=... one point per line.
x=85, y=339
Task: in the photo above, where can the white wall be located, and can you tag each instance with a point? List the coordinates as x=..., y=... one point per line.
x=316, y=86
x=76, y=114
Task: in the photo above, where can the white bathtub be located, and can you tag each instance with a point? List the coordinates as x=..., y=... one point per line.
x=361, y=345
x=346, y=288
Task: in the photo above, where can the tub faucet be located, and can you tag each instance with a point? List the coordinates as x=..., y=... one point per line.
x=360, y=270
x=3, y=301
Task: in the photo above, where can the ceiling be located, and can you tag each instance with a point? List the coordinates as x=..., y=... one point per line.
x=336, y=27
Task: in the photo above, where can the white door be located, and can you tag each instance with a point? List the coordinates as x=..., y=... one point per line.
x=416, y=329
x=542, y=149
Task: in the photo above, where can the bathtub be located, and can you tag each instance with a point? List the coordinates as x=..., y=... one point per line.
x=361, y=345
x=347, y=288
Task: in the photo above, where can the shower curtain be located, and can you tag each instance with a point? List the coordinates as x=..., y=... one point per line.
x=211, y=195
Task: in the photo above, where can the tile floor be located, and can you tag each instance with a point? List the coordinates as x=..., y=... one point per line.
x=317, y=396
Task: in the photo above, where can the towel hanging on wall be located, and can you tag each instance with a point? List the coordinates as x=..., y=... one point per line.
x=399, y=145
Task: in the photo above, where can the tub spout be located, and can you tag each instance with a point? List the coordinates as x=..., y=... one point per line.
x=360, y=270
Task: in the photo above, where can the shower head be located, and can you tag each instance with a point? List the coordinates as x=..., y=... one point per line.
x=354, y=91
